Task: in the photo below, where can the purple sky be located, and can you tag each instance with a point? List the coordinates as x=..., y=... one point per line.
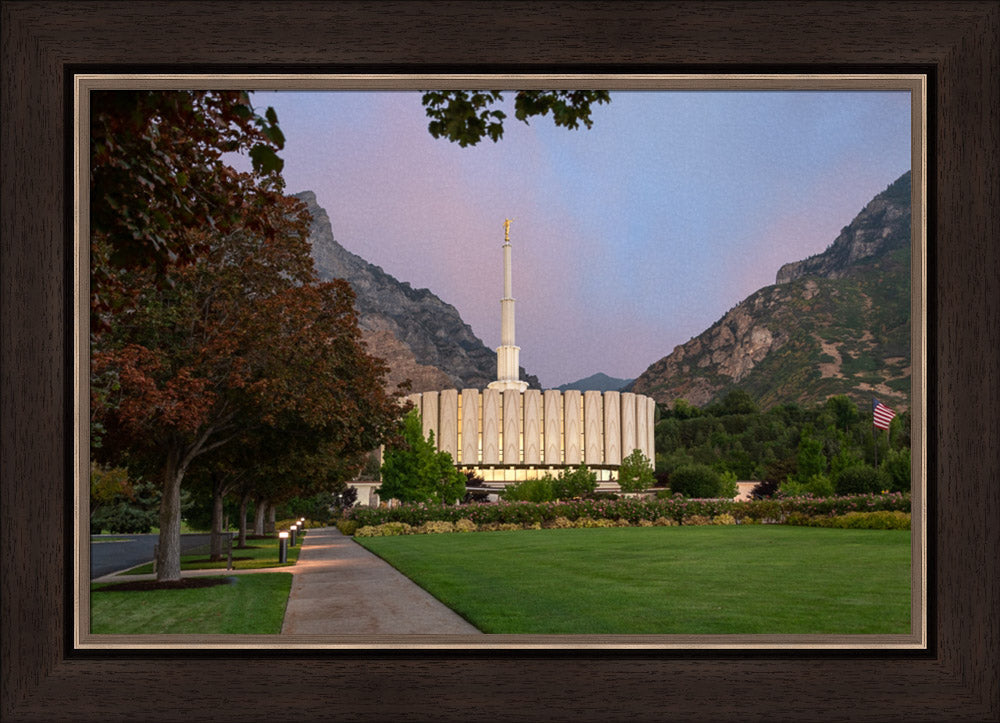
x=629, y=238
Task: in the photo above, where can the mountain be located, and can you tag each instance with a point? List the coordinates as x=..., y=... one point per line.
x=834, y=323
x=421, y=337
x=599, y=382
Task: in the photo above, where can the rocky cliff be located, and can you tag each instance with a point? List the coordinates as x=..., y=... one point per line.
x=835, y=323
x=882, y=225
x=421, y=337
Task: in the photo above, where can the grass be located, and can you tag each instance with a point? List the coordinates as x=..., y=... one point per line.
x=260, y=553
x=665, y=580
x=246, y=604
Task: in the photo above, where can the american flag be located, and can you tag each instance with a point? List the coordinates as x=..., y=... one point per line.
x=881, y=414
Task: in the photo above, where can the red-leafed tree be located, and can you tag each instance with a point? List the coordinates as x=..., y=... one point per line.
x=243, y=338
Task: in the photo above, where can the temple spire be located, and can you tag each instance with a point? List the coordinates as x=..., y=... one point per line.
x=508, y=354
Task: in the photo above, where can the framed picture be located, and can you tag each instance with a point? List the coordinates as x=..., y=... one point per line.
x=954, y=663
x=880, y=126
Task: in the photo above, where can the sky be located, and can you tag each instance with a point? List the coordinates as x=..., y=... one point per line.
x=628, y=238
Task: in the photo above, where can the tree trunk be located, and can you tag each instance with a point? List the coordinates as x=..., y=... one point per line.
x=269, y=527
x=258, y=522
x=217, y=508
x=168, y=554
x=244, y=501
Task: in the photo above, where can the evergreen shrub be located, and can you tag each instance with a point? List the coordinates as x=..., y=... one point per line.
x=860, y=479
x=696, y=480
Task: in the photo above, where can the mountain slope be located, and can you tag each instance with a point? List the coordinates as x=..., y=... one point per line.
x=835, y=323
x=421, y=337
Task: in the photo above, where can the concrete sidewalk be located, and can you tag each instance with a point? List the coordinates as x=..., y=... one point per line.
x=339, y=588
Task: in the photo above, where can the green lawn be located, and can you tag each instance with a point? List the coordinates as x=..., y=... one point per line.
x=755, y=579
x=259, y=553
x=245, y=604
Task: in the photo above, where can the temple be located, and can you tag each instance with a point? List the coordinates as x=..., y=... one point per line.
x=508, y=433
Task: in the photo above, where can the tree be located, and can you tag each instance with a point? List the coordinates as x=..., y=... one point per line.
x=157, y=173
x=414, y=471
x=243, y=338
x=809, y=459
x=635, y=473
x=466, y=117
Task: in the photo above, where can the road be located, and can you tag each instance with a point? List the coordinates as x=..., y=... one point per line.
x=111, y=553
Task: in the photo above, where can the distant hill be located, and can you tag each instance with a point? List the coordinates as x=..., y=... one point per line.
x=423, y=338
x=834, y=323
x=599, y=382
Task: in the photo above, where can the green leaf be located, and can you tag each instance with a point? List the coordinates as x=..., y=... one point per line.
x=265, y=160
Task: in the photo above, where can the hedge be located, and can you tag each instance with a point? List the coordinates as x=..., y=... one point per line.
x=630, y=510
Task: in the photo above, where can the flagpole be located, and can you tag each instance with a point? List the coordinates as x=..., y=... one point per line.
x=875, y=443
x=874, y=438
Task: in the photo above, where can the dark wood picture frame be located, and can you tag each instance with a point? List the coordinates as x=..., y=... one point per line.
x=957, y=44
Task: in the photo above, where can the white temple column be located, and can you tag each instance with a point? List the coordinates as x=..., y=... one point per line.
x=571, y=426
x=532, y=426
x=447, y=436
x=641, y=430
x=593, y=428
x=429, y=415
x=491, y=426
x=651, y=429
x=552, y=419
x=470, y=426
x=612, y=428
x=628, y=423
x=511, y=426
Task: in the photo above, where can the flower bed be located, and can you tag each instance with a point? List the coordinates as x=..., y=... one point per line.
x=631, y=510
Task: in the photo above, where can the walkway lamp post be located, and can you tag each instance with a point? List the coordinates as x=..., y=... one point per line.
x=282, y=547
x=293, y=529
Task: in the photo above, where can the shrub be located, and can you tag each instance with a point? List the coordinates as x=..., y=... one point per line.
x=818, y=485
x=435, y=527
x=347, y=527
x=697, y=520
x=696, y=480
x=465, y=525
x=579, y=482
x=560, y=523
x=530, y=490
x=881, y=520
x=860, y=479
x=635, y=473
x=387, y=529
x=724, y=519
x=664, y=522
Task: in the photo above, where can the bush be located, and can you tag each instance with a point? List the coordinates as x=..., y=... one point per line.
x=580, y=482
x=881, y=520
x=387, y=529
x=818, y=485
x=635, y=473
x=878, y=520
x=696, y=480
x=896, y=467
x=531, y=490
x=860, y=479
x=435, y=527
x=347, y=527
x=697, y=520
x=465, y=525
